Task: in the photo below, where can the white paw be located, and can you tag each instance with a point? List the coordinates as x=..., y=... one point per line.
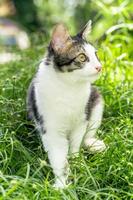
x=95, y=145
x=60, y=185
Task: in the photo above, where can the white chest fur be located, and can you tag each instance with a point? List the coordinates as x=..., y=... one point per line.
x=61, y=100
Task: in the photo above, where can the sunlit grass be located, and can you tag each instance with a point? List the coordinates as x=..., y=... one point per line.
x=24, y=169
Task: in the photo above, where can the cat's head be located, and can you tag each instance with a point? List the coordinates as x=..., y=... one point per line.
x=74, y=54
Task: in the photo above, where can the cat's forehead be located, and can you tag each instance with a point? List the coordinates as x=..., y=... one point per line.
x=81, y=45
x=89, y=48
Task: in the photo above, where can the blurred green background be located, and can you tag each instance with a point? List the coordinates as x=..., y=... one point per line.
x=41, y=15
x=28, y=23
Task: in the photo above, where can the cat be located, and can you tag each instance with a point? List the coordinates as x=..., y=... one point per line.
x=65, y=107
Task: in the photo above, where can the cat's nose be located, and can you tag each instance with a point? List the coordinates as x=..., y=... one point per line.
x=98, y=68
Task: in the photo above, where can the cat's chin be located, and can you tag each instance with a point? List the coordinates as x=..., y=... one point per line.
x=92, y=78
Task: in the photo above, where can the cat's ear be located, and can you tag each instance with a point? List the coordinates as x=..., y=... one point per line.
x=60, y=38
x=86, y=30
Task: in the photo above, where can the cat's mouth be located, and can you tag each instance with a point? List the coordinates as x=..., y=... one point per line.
x=96, y=74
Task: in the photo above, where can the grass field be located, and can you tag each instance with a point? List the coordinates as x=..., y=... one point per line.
x=25, y=173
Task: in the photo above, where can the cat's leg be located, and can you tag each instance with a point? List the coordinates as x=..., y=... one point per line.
x=57, y=147
x=77, y=138
x=94, y=122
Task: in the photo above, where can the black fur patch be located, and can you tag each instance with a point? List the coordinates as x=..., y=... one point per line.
x=93, y=100
x=48, y=60
x=79, y=40
x=32, y=108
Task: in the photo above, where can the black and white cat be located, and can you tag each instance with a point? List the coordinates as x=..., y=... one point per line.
x=66, y=109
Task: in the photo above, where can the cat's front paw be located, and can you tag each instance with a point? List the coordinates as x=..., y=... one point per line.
x=95, y=145
x=61, y=184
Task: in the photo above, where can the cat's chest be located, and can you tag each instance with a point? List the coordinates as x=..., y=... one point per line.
x=60, y=100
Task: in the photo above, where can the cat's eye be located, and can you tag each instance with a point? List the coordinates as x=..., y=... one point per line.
x=82, y=57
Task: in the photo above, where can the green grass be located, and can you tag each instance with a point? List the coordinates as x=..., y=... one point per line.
x=25, y=173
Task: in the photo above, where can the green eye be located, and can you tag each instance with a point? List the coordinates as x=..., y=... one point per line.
x=82, y=57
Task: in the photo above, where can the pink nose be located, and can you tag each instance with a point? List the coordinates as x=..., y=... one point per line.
x=98, y=68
